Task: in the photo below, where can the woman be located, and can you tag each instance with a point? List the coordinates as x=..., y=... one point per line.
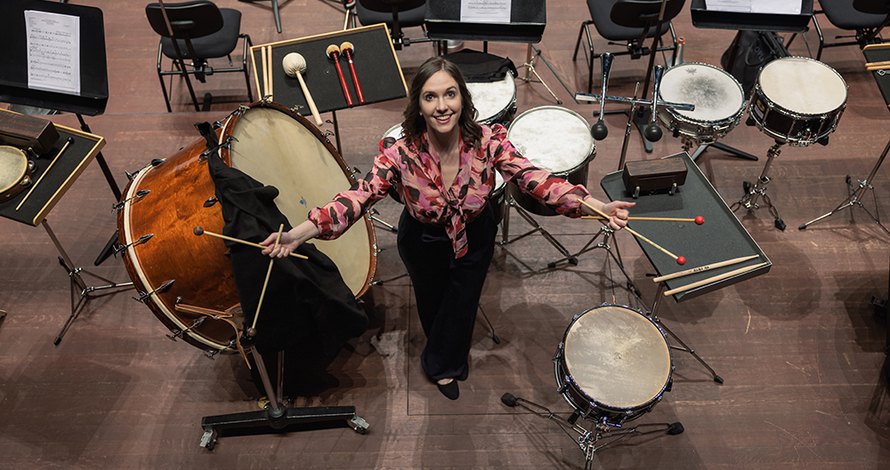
x=443, y=169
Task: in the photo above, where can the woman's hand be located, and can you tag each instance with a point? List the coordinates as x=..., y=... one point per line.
x=616, y=210
x=289, y=240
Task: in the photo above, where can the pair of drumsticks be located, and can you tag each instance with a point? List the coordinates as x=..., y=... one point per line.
x=347, y=50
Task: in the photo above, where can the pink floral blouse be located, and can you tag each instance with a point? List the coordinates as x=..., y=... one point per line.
x=416, y=175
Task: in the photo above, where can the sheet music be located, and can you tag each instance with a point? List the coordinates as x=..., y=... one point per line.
x=53, y=42
x=485, y=11
x=781, y=7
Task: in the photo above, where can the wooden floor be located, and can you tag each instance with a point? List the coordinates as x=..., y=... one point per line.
x=801, y=349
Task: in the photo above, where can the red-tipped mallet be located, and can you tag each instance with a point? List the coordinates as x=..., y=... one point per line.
x=681, y=260
x=333, y=53
x=347, y=49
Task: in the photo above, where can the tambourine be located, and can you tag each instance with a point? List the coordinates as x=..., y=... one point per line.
x=15, y=172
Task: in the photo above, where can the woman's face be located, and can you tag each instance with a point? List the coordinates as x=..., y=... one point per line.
x=441, y=103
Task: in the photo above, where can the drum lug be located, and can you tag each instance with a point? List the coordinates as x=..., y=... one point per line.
x=157, y=162
x=210, y=201
x=211, y=353
x=177, y=333
x=140, y=241
x=143, y=296
x=139, y=195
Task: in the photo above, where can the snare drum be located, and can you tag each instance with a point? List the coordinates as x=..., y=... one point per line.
x=15, y=172
x=555, y=139
x=495, y=102
x=273, y=145
x=798, y=100
x=718, y=98
x=613, y=364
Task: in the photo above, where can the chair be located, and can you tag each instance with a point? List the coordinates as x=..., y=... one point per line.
x=628, y=22
x=865, y=17
x=203, y=31
x=397, y=14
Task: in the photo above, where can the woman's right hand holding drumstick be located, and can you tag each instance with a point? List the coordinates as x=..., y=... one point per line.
x=615, y=210
x=289, y=240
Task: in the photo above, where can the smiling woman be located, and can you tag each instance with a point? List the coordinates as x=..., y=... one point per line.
x=444, y=171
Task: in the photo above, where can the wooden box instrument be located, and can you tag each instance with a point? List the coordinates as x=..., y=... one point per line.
x=21, y=131
x=664, y=174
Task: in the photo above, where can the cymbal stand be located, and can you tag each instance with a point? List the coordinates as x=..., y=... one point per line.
x=536, y=227
x=78, y=287
x=755, y=191
x=600, y=435
x=275, y=416
x=652, y=313
x=855, y=196
x=531, y=57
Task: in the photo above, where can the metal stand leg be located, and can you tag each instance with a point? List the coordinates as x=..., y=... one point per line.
x=601, y=435
x=494, y=336
x=683, y=346
x=758, y=190
x=531, y=57
x=276, y=416
x=855, y=197
x=732, y=151
x=536, y=228
x=78, y=287
x=607, y=234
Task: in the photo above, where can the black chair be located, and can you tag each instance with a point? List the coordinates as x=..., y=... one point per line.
x=397, y=14
x=628, y=23
x=866, y=18
x=203, y=31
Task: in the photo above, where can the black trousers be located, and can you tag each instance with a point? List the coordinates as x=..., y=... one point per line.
x=447, y=289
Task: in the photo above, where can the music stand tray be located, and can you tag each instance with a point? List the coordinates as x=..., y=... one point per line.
x=720, y=238
x=376, y=65
x=787, y=23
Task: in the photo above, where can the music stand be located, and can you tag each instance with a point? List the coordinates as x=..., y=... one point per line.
x=874, y=54
x=68, y=158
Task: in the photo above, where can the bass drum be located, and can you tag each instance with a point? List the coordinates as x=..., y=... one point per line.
x=164, y=202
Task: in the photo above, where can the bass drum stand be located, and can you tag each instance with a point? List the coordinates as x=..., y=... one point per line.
x=600, y=435
x=855, y=196
x=275, y=416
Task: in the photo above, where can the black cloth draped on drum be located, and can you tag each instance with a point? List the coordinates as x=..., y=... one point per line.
x=447, y=290
x=306, y=301
x=480, y=66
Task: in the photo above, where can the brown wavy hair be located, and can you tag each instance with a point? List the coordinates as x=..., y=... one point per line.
x=414, y=125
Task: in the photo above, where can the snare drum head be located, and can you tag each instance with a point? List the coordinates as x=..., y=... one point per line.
x=802, y=85
x=277, y=150
x=491, y=99
x=553, y=138
x=617, y=357
x=715, y=93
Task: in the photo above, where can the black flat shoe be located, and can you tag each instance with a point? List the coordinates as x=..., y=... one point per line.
x=451, y=390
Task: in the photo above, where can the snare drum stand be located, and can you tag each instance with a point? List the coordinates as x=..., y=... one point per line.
x=532, y=55
x=602, y=434
x=607, y=233
x=855, y=196
x=758, y=190
x=536, y=227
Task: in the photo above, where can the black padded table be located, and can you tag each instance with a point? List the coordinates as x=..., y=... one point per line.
x=721, y=237
x=376, y=66
x=61, y=175
x=880, y=53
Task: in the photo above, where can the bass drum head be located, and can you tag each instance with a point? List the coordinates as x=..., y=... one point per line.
x=278, y=148
x=617, y=358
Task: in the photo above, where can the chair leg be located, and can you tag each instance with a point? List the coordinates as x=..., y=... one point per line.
x=821, y=38
x=161, y=79
x=247, y=44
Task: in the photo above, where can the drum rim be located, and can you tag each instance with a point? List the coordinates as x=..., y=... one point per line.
x=577, y=388
x=23, y=163
x=591, y=152
x=759, y=88
x=228, y=128
x=734, y=117
x=487, y=120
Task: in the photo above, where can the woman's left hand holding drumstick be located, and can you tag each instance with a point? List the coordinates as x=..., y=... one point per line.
x=289, y=240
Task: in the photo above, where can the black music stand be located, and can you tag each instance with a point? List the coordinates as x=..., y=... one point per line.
x=376, y=65
x=874, y=53
x=57, y=170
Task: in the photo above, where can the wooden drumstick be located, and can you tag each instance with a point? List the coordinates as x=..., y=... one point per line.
x=259, y=305
x=55, y=159
x=347, y=49
x=294, y=65
x=679, y=259
x=271, y=89
x=703, y=268
x=333, y=53
x=699, y=220
x=200, y=231
x=265, y=61
x=719, y=277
